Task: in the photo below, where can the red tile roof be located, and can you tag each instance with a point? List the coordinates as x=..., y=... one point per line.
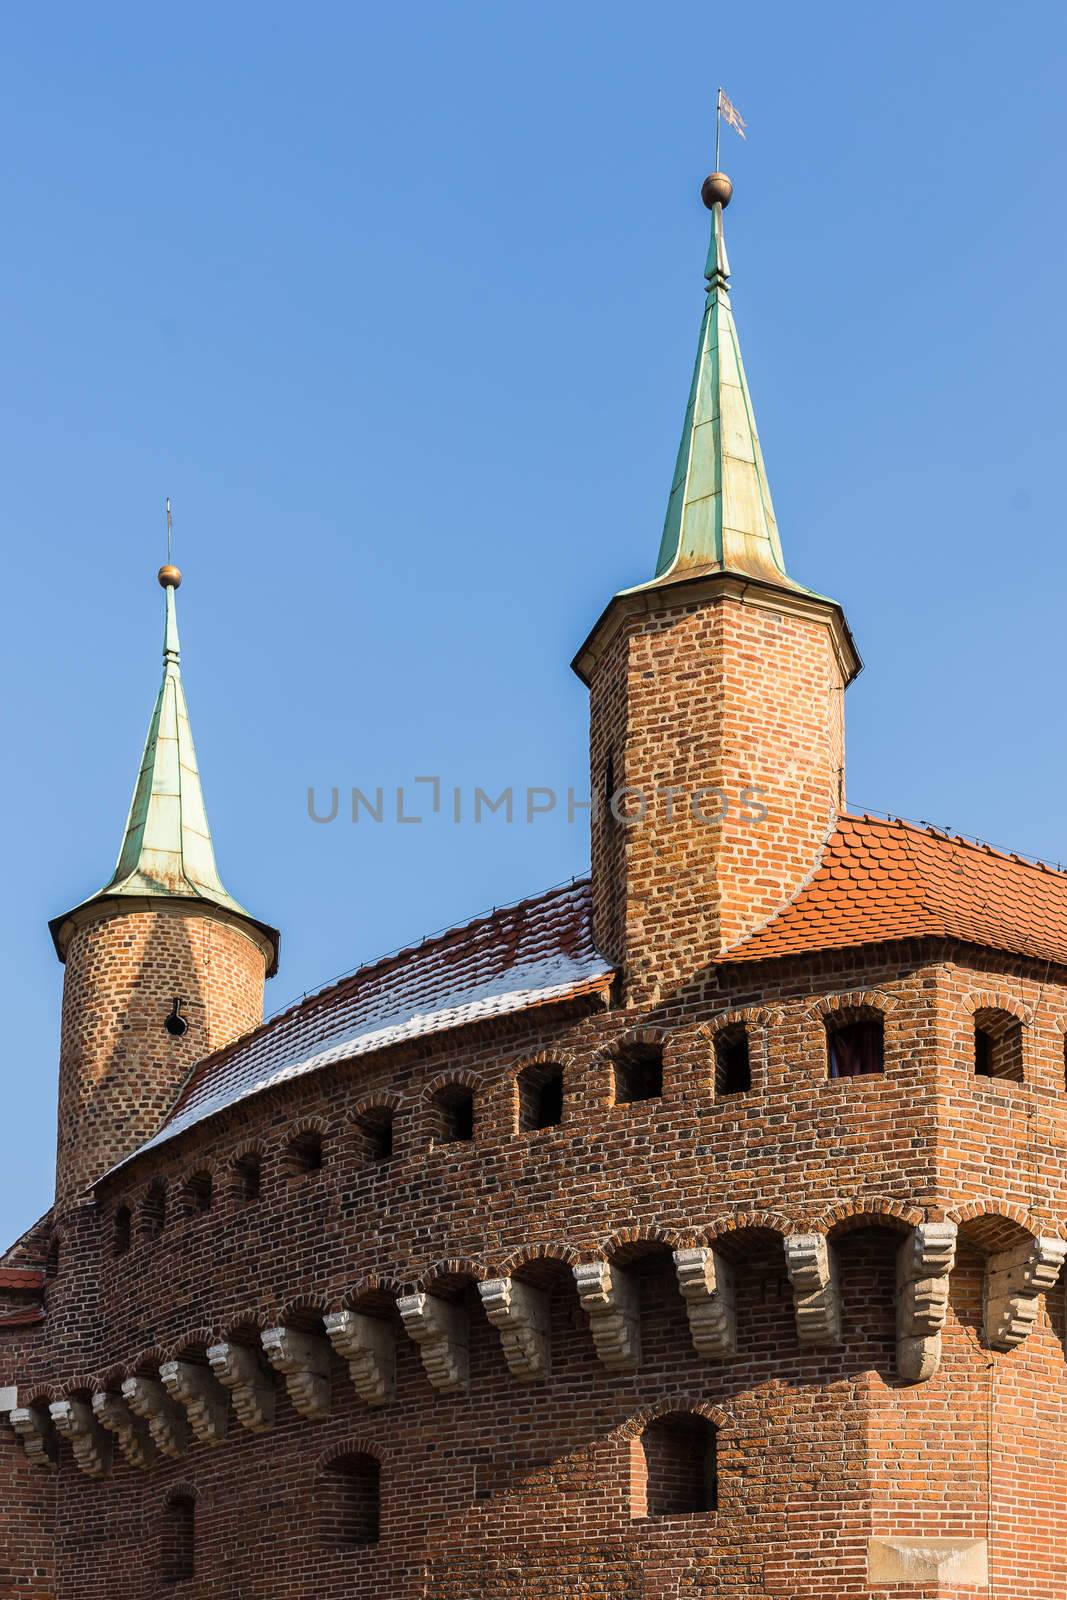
x=881, y=880
x=529, y=954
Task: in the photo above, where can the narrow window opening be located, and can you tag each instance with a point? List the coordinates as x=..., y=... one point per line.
x=351, y=1500
x=455, y=1114
x=638, y=1071
x=304, y=1155
x=199, y=1193
x=540, y=1096
x=998, y=1045
x=733, y=1072
x=123, y=1229
x=609, y=787
x=376, y=1124
x=248, y=1177
x=680, y=1471
x=51, y=1266
x=855, y=1045
x=179, y=1539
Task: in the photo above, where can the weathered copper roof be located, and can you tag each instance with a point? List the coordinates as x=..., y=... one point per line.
x=880, y=880
x=529, y=954
x=166, y=850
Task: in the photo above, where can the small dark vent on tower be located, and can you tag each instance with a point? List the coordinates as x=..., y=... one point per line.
x=176, y=1025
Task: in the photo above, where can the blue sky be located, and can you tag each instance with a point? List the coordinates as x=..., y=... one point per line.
x=399, y=306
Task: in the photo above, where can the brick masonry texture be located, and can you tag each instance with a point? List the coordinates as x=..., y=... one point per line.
x=516, y=1456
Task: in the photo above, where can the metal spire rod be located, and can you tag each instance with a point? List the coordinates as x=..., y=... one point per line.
x=170, y=528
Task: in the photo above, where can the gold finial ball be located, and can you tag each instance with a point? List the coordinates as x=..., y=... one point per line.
x=169, y=577
x=716, y=187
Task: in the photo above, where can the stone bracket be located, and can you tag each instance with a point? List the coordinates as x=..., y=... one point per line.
x=304, y=1361
x=609, y=1299
x=167, y=1422
x=1014, y=1282
x=519, y=1312
x=924, y=1262
x=812, y=1269
x=134, y=1439
x=368, y=1344
x=207, y=1405
x=34, y=1428
x=74, y=1420
x=706, y=1282
x=251, y=1385
x=441, y=1331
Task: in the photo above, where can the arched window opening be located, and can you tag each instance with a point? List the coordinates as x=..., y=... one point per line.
x=199, y=1192
x=733, y=1071
x=540, y=1088
x=855, y=1042
x=998, y=1045
x=679, y=1459
x=303, y=1155
x=123, y=1229
x=248, y=1177
x=638, y=1072
x=454, y=1114
x=350, y=1500
x=179, y=1538
x=376, y=1126
x=154, y=1210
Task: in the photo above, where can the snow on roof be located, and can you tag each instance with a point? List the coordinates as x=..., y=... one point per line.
x=538, y=951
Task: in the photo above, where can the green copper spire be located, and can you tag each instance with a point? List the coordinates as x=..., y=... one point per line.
x=720, y=515
x=166, y=851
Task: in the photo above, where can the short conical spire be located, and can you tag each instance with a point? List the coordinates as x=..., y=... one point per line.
x=720, y=515
x=167, y=851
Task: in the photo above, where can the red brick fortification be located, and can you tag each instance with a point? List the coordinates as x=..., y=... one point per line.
x=723, y=720
x=119, y=1067
x=534, y=1484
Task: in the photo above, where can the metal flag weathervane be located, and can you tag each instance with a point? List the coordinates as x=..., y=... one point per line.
x=726, y=111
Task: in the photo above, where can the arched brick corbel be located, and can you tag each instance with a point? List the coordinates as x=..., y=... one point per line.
x=368, y=1344
x=608, y=1296
x=240, y=1366
x=32, y=1423
x=74, y=1420
x=302, y=1356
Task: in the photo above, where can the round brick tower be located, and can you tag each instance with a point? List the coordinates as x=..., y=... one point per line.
x=162, y=965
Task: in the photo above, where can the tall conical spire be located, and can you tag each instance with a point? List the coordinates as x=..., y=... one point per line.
x=720, y=515
x=166, y=851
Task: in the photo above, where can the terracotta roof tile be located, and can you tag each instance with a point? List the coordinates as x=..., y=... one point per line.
x=880, y=880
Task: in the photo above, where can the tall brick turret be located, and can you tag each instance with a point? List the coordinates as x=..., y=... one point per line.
x=163, y=966
x=717, y=690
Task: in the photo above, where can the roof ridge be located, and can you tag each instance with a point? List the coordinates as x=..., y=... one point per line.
x=969, y=842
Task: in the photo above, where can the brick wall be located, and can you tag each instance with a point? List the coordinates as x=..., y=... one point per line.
x=119, y=1069
x=527, y=1489
x=716, y=700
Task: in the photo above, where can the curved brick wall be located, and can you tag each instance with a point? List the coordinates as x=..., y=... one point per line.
x=119, y=1069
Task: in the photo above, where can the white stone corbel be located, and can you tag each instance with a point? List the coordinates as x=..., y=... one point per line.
x=303, y=1359
x=251, y=1385
x=34, y=1428
x=1014, y=1282
x=812, y=1269
x=519, y=1312
x=441, y=1330
x=134, y=1440
x=924, y=1262
x=167, y=1422
x=206, y=1403
x=706, y=1282
x=609, y=1299
x=368, y=1344
x=74, y=1420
